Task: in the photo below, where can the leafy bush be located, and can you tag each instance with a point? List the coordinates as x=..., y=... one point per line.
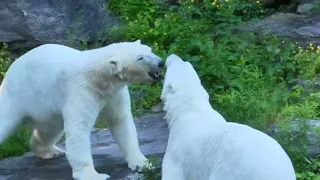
x=5, y=61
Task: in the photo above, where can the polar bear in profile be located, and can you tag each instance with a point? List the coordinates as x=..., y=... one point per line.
x=203, y=146
x=60, y=89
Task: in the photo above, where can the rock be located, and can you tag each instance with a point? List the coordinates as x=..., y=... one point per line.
x=152, y=133
x=157, y=108
x=304, y=29
x=304, y=8
x=310, y=86
x=307, y=6
x=26, y=24
x=313, y=136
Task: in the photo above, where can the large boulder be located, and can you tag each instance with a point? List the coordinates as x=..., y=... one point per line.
x=312, y=140
x=301, y=28
x=26, y=24
x=308, y=6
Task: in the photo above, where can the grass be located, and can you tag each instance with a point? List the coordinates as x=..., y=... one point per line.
x=17, y=144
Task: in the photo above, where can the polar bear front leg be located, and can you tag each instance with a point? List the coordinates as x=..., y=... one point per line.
x=80, y=114
x=121, y=124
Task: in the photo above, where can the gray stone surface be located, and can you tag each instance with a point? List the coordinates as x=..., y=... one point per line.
x=313, y=135
x=308, y=6
x=310, y=86
x=34, y=22
x=301, y=28
x=152, y=133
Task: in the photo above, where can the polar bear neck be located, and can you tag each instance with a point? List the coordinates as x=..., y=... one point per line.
x=96, y=59
x=94, y=68
x=177, y=105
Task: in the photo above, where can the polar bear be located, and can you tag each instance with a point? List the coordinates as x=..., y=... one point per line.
x=203, y=146
x=60, y=90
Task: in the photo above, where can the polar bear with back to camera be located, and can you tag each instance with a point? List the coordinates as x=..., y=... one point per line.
x=60, y=89
x=203, y=146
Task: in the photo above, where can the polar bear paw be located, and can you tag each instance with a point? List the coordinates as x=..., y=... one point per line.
x=85, y=175
x=138, y=163
x=54, y=152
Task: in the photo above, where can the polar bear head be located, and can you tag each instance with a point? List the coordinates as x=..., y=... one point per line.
x=181, y=80
x=133, y=62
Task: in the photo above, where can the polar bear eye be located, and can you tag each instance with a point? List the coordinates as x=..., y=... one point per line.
x=140, y=58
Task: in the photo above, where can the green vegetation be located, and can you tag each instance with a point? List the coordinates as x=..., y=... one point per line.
x=248, y=73
x=251, y=75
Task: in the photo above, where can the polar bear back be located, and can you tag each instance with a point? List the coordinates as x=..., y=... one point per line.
x=36, y=80
x=229, y=151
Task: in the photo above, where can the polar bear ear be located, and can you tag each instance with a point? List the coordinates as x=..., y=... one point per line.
x=113, y=63
x=137, y=41
x=116, y=67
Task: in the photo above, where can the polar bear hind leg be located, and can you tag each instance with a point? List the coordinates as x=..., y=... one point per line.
x=9, y=118
x=44, y=138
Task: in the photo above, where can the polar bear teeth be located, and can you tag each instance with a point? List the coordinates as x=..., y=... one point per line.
x=157, y=74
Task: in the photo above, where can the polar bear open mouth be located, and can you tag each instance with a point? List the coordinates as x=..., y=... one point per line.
x=155, y=75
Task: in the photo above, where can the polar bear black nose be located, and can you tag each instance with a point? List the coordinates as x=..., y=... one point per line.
x=161, y=64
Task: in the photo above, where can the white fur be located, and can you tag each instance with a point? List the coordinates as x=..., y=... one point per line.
x=203, y=146
x=60, y=89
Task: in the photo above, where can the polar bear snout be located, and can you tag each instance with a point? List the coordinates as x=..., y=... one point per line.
x=156, y=68
x=161, y=64
x=146, y=68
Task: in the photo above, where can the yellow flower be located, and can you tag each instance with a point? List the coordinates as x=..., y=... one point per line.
x=192, y=1
x=258, y=2
x=311, y=48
